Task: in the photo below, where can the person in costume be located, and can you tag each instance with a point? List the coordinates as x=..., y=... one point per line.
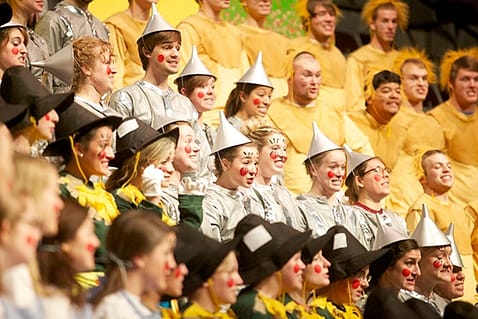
x=143, y=158
x=224, y=205
x=417, y=73
x=151, y=97
x=19, y=86
x=84, y=141
x=219, y=45
x=94, y=70
x=457, y=116
x=251, y=97
x=348, y=273
x=367, y=184
x=437, y=178
x=278, y=204
x=382, y=17
x=322, y=204
x=435, y=265
x=319, y=20
x=213, y=280
x=70, y=251
x=140, y=252
x=13, y=41
x=294, y=113
x=383, y=100
x=270, y=265
x=198, y=84
x=257, y=38
x=125, y=27
x=456, y=288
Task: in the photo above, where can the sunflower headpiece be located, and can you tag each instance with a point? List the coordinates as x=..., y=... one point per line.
x=370, y=8
x=449, y=59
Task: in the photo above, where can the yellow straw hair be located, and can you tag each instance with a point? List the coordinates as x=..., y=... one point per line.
x=447, y=61
x=409, y=53
x=370, y=8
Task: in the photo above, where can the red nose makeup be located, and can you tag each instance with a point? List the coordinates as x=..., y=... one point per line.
x=102, y=155
x=200, y=95
x=256, y=101
x=230, y=283
x=188, y=149
x=437, y=264
x=406, y=272
x=243, y=171
x=15, y=51
x=355, y=283
x=296, y=268
x=318, y=269
x=108, y=70
x=330, y=174
x=160, y=58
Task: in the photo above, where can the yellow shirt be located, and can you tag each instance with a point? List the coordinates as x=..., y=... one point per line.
x=360, y=63
x=124, y=32
x=472, y=214
x=461, y=131
x=444, y=213
x=404, y=184
x=296, y=122
x=386, y=140
x=220, y=48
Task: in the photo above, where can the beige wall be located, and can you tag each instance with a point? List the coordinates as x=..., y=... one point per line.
x=169, y=9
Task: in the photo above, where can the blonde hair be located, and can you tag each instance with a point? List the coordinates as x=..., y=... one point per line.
x=449, y=66
x=417, y=57
x=370, y=9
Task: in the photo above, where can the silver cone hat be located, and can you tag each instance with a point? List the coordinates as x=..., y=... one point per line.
x=156, y=23
x=256, y=74
x=227, y=136
x=354, y=159
x=320, y=143
x=194, y=67
x=164, y=121
x=59, y=64
x=455, y=253
x=386, y=235
x=427, y=233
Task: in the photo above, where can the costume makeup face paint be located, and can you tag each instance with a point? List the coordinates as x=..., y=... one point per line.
x=330, y=174
x=243, y=171
x=177, y=272
x=406, y=272
x=256, y=101
x=296, y=268
x=230, y=282
x=273, y=155
x=377, y=178
x=200, y=95
x=90, y=247
x=160, y=58
x=102, y=155
x=437, y=264
x=188, y=149
x=317, y=269
x=355, y=283
x=47, y=117
x=15, y=51
x=108, y=70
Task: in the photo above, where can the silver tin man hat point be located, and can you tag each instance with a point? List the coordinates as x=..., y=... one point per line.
x=256, y=74
x=455, y=253
x=354, y=159
x=59, y=64
x=227, y=136
x=156, y=23
x=320, y=143
x=427, y=233
x=386, y=235
x=194, y=67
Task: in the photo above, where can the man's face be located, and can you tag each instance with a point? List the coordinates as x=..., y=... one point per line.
x=323, y=23
x=306, y=80
x=414, y=82
x=387, y=98
x=465, y=88
x=258, y=9
x=438, y=173
x=384, y=27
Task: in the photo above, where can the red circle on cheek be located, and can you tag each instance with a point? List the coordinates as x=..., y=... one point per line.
x=160, y=58
x=377, y=178
x=453, y=278
x=166, y=266
x=330, y=174
x=318, y=269
x=243, y=171
x=15, y=51
x=355, y=283
x=200, y=95
x=230, y=283
x=47, y=117
x=90, y=247
x=256, y=101
x=188, y=149
x=30, y=240
x=273, y=155
x=437, y=264
x=102, y=155
x=177, y=273
x=296, y=268
x=406, y=272
x=108, y=70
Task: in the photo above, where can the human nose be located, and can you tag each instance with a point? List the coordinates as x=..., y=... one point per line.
x=109, y=153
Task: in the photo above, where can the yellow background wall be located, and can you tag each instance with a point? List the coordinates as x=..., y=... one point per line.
x=171, y=10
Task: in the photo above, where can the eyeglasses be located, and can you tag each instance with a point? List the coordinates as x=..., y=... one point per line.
x=363, y=276
x=378, y=170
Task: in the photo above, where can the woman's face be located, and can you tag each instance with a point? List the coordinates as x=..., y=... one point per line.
x=435, y=265
x=273, y=156
x=226, y=280
x=292, y=274
x=329, y=174
x=52, y=204
x=102, y=73
x=257, y=102
x=13, y=50
x=46, y=125
x=81, y=249
x=186, y=157
x=29, y=6
x=204, y=96
x=375, y=180
x=358, y=283
x=404, y=273
x=175, y=279
x=95, y=155
x=168, y=169
x=243, y=169
x=159, y=263
x=316, y=274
